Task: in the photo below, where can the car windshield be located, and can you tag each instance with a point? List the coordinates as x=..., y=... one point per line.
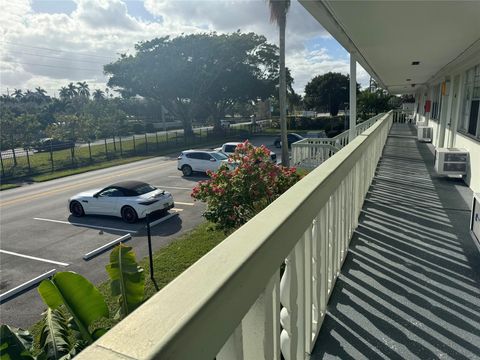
x=219, y=156
x=143, y=189
x=230, y=148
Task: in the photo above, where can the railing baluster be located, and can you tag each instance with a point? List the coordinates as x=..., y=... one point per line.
x=308, y=287
x=330, y=222
x=292, y=297
x=233, y=348
x=257, y=336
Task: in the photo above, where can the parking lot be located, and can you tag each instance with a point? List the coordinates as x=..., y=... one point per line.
x=39, y=236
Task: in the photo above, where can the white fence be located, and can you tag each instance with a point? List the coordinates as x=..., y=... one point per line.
x=311, y=152
x=235, y=303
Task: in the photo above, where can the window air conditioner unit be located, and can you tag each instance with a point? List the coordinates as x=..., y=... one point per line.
x=451, y=161
x=425, y=133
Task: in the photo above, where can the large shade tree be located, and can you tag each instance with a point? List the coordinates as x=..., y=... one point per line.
x=278, y=14
x=327, y=92
x=193, y=72
x=373, y=102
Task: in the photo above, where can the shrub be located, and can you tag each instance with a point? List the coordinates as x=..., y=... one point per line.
x=241, y=189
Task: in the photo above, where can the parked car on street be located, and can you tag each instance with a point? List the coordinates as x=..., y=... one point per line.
x=317, y=134
x=229, y=148
x=50, y=144
x=291, y=138
x=225, y=124
x=130, y=200
x=190, y=161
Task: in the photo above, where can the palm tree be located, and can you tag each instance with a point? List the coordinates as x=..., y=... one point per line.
x=278, y=15
x=17, y=94
x=72, y=90
x=98, y=95
x=83, y=89
x=41, y=92
x=64, y=93
x=29, y=96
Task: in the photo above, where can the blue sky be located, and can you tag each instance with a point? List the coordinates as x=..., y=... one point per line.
x=49, y=43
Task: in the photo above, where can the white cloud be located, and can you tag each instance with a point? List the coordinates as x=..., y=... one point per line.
x=105, y=14
x=50, y=50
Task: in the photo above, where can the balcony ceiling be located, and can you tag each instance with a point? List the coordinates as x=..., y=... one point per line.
x=389, y=35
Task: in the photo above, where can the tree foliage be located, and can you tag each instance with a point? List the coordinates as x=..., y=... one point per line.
x=191, y=72
x=371, y=103
x=235, y=196
x=127, y=279
x=327, y=92
x=68, y=293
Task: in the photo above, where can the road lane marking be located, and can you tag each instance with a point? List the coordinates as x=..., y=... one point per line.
x=33, y=258
x=86, y=225
x=103, y=248
x=184, y=203
x=79, y=184
x=173, y=187
x=10, y=293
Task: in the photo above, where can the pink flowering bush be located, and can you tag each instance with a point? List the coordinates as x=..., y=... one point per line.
x=236, y=193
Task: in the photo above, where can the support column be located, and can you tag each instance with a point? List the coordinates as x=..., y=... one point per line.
x=444, y=111
x=353, y=98
x=456, y=115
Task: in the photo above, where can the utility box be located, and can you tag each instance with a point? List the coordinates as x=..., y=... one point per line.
x=475, y=218
x=451, y=161
x=424, y=133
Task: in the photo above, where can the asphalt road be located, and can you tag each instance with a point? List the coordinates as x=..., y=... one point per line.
x=37, y=233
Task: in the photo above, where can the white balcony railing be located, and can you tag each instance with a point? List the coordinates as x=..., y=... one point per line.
x=235, y=302
x=311, y=152
x=402, y=116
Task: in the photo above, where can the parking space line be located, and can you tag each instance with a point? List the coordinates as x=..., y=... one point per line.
x=33, y=258
x=10, y=293
x=156, y=222
x=177, y=210
x=173, y=187
x=102, y=248
x=86, y=225
x=184, y=203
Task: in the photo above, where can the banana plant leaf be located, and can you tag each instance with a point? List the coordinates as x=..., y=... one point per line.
x=80, y=297
x=54, y=337
x=127, y=279
x=15, y=344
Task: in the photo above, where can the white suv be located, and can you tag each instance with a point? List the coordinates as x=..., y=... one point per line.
x=229, y=148
x=191, y=161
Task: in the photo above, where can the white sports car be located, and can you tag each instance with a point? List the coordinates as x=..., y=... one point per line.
x=130, y=200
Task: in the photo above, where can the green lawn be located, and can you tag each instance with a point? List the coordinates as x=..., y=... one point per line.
x=8, y=186
x=168, y=262
x=46, y=166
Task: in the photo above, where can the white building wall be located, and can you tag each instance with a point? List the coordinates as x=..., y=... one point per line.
x=453, y=104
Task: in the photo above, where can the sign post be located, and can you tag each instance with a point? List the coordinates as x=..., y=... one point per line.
x=150, y=247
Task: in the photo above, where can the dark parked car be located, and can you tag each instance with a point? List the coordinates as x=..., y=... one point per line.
x=292, y=137
x=49, y=144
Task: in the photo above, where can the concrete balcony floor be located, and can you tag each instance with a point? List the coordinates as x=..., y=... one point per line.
x=410, y=285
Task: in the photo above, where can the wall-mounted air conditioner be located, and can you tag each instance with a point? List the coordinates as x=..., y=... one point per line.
x=451, y=161
x=425, y=133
